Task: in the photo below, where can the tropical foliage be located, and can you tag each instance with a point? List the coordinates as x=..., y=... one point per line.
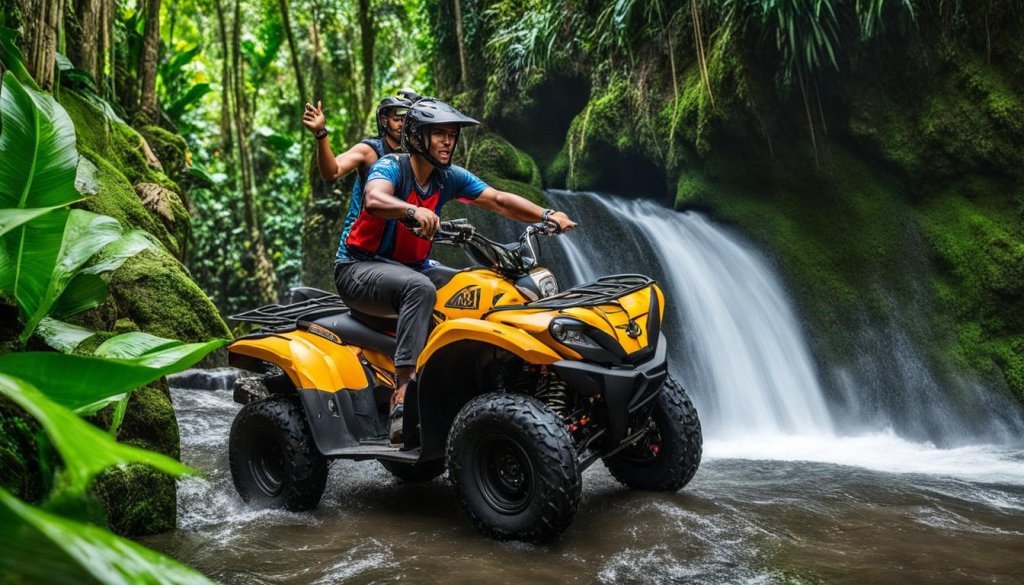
x=52, y=265
x=37, y=546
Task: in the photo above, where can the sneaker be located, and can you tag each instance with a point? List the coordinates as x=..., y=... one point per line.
x=395, y=432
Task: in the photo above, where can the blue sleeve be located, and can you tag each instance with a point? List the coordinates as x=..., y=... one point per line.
x=386, y=168
x=464, y=184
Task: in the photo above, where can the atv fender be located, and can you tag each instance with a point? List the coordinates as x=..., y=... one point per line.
x=334, y=388
x=309, y=360
x=508, y=338
x=449, y=366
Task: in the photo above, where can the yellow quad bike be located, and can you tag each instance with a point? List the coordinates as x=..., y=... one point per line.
x=519, y=389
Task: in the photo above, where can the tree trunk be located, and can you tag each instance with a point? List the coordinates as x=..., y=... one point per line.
x=105, y=64
x=226, y=128
x=84, y=28
x=264, y=280
x=368, y=36
x=43, y=19
x=287, y=24
x=150, y=59
x=462, y=45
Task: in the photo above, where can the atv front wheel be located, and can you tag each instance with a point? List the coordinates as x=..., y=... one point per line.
x=414, y=472
x=513, y=466
x=274, y=461
x=667, y=456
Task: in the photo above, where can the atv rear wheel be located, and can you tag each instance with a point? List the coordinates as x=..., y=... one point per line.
x=274, y=461
x=513, y=465
x=668, y=455
x=414, y=472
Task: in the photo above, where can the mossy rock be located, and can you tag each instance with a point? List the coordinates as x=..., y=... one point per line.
x=171, y=149
x=607, y=150
x=138, y=499
x=27, y=462
x=153, y=290
x=99, y=131
x=116, y=197
x=495, y=157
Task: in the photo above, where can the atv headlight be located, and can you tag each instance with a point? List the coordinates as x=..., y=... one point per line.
x=571, y=335
x=590, y=342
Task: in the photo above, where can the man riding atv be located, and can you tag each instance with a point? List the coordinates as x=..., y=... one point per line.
x=519, y=388
x=377, y=270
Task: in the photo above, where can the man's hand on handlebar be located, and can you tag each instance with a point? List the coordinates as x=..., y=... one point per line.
x=562, y=220
x=428, y=223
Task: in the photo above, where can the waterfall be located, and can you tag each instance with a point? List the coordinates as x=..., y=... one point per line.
x=734, y=335
x=737, y=344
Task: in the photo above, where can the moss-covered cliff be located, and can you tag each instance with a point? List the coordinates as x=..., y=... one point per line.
x=893, y=177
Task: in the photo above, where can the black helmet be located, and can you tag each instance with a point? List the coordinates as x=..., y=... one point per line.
x=409, y=94
x=389, y=103
x=422, y=115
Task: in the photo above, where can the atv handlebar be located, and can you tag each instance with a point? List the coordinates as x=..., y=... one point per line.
x=458, y=231
x=511, y=259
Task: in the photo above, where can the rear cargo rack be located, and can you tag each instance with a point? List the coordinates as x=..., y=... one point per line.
x=287, y=315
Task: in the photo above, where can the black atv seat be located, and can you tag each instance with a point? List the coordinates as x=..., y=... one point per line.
x=355, y=333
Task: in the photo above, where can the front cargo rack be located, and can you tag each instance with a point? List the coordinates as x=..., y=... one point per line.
x=602, y=291
x=308, y=310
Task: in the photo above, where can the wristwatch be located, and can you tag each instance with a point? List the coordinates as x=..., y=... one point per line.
x=410, y=212
x=547, y=213
x=321, y=134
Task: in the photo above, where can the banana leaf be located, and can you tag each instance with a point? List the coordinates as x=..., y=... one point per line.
x=86, y=384
x=12, y=218
x=48, y=274
x=85, y=450
x=38, y=547
x=39, y=159
x=12, y=58
x=132, y=345
x=63, y=337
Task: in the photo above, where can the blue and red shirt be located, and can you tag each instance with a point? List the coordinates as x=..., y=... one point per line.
x=367, y=236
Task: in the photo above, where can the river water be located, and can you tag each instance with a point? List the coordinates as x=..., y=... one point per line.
x=793, y=487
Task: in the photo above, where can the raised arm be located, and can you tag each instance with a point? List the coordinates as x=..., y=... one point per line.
x=518, y=208
x=333, y=168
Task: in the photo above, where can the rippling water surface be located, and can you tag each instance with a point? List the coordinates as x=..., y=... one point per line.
x=871, y=509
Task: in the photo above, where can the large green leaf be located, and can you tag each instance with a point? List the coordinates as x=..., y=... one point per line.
x=85, y=450
x=132, y=345
x=11, y=56
x=42, y=283
x=38, y=547
x=87, y=289
x=37, y=144
x=12, y=218
x=85, y=384
x=62, y=336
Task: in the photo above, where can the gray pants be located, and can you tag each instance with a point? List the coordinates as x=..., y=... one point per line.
x=383, y=289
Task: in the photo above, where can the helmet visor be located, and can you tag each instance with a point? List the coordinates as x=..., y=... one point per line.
x=398, y=112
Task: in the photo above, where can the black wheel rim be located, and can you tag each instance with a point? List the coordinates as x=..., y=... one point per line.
x=647, y=448
x=267, y=466
x=504, y=474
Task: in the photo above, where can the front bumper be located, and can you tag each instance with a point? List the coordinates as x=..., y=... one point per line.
x=626, y=389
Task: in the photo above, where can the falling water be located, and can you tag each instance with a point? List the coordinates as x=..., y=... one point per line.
x=734, y=331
